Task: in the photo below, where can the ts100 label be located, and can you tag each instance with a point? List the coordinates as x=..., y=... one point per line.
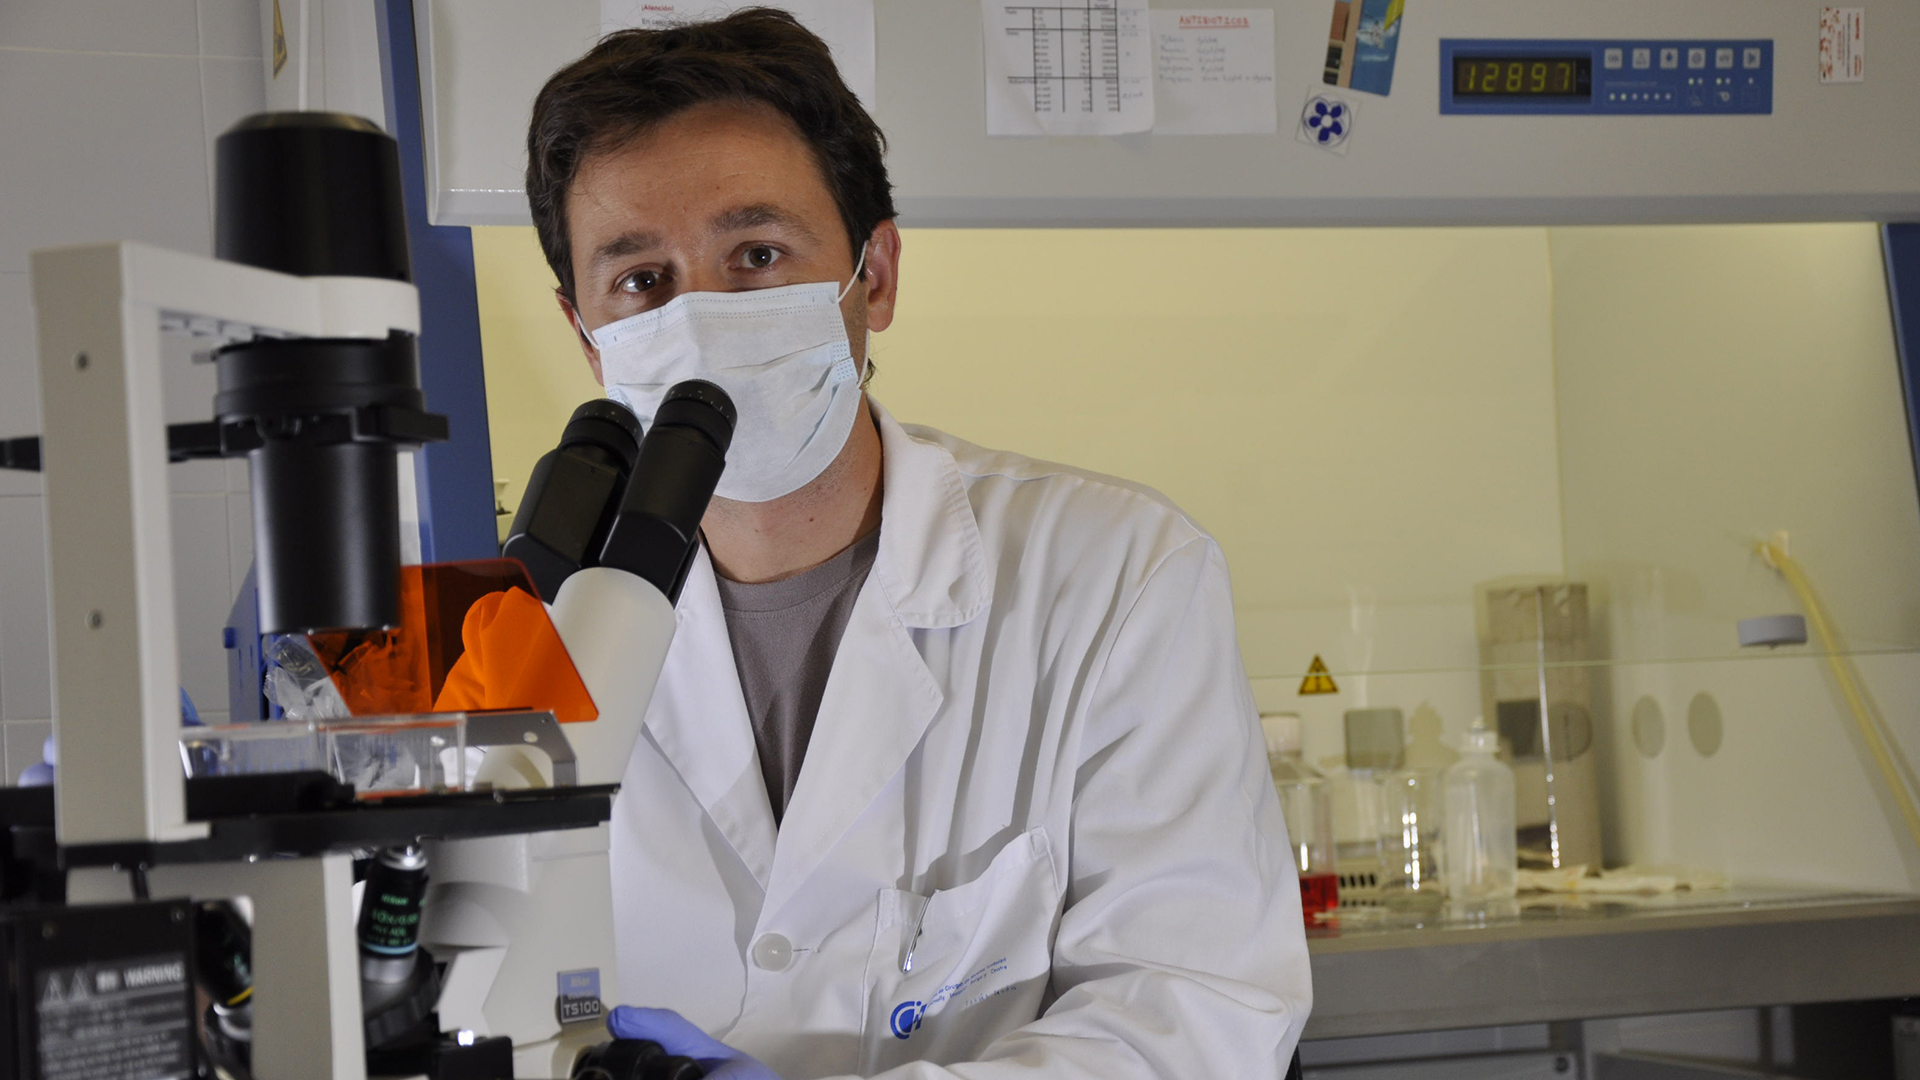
x=579, y=999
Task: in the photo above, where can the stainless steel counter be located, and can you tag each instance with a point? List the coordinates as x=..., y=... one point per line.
x=1555, y=958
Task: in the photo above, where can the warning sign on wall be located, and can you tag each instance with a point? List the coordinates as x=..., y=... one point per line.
x=1318, y=680
x=279, y=41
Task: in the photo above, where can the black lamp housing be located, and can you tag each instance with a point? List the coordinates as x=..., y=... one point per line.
x=321, y=421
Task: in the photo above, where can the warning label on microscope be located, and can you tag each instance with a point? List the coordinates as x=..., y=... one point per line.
x=118, y=1020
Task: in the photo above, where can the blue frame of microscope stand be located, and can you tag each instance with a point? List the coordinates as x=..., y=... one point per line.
x=1901, y=246
x=456, y=484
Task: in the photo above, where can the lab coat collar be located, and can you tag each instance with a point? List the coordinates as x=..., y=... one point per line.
x=932, y=563
x=930, y=573
x=699, y=722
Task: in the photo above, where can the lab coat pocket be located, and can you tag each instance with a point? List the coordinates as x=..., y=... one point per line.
x=953, y=971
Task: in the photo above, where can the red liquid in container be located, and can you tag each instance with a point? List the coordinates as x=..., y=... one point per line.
x=1318, y=893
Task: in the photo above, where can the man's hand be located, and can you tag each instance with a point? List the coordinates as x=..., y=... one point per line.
x=676, y=1035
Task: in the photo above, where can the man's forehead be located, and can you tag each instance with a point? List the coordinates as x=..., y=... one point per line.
x=716, y=167
x=734, y=138
x=639, y=239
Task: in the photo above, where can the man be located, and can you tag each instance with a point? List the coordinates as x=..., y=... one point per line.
x=953, y=770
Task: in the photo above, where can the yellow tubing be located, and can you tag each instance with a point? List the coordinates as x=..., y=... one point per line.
x=1894, y=769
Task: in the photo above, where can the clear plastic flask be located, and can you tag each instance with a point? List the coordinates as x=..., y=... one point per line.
x=1479, y=858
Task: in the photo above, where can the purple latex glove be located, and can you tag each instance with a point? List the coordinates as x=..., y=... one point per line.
x=677, y=1035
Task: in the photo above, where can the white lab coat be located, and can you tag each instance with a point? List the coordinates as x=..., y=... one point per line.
x=1037, y=747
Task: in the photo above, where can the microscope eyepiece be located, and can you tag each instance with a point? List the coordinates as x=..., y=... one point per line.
x=702, y=406
x=606, y=425
x=573, y=494
x=657, y=531
x=609, y=496
x=633, y=1059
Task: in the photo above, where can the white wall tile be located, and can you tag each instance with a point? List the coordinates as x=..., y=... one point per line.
x=25, y=685
x=19, y=366
x=202, y=595
x=150, y=26
x=24, y=742
x=230, y=27
x=197, y=478
x=101, y=148
x=20, y=404
x=20, y=483
x=239, y=538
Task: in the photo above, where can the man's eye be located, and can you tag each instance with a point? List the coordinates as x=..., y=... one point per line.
x=639, y=281
x=761, y=257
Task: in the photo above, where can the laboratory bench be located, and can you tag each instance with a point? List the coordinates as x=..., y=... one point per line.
x=1553, y=957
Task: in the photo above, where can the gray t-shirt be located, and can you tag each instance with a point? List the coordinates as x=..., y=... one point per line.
x=784, y=635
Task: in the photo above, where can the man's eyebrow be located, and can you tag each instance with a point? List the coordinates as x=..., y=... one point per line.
x=759, y=216
x=622, y=246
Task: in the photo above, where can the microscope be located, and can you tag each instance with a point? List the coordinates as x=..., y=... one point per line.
x=184, y=903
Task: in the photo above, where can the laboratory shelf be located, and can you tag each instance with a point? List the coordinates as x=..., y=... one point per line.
x=1562, y=958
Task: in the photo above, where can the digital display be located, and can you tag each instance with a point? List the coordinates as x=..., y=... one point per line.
x=1511, y=77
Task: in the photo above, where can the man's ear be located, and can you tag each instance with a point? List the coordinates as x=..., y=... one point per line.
x=579, y=331
x=883, y=275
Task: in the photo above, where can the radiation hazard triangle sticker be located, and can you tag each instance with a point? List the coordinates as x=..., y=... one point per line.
x=279, y=41
x=1318, y=680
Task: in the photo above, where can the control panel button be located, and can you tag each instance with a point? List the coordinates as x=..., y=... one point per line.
x=1669, y=59
x=1750, y=58
x=1613, y=59
x=1696, y=58
x=1642, y=59
x=1723, y=58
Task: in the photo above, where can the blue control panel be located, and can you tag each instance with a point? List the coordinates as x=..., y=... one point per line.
x=1625, y=77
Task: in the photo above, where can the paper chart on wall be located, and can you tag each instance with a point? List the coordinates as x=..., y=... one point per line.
x=845, y=25
x=1068, y=67
x=1213, y=73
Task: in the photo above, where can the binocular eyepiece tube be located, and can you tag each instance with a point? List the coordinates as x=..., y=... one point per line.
x=610, y=496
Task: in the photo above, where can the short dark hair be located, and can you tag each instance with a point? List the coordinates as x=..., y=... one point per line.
x=635, y=79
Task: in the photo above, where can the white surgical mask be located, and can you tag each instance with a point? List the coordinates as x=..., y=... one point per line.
x=781, y=354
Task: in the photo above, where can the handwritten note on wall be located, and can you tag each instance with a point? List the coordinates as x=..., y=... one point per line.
x=1213, y=72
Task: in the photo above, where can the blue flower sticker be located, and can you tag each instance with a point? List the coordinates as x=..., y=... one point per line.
x=1327, y=121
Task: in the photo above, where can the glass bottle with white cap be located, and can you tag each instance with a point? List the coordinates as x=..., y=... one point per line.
x=1308, y=807
x=1479, y=858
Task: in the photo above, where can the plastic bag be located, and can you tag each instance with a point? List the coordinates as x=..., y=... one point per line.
x=298, y=682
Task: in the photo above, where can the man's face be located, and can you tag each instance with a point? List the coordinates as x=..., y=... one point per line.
x=718, y=198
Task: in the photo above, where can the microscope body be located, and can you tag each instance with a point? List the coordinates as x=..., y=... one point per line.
x=310, y=314
x=525, y=922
